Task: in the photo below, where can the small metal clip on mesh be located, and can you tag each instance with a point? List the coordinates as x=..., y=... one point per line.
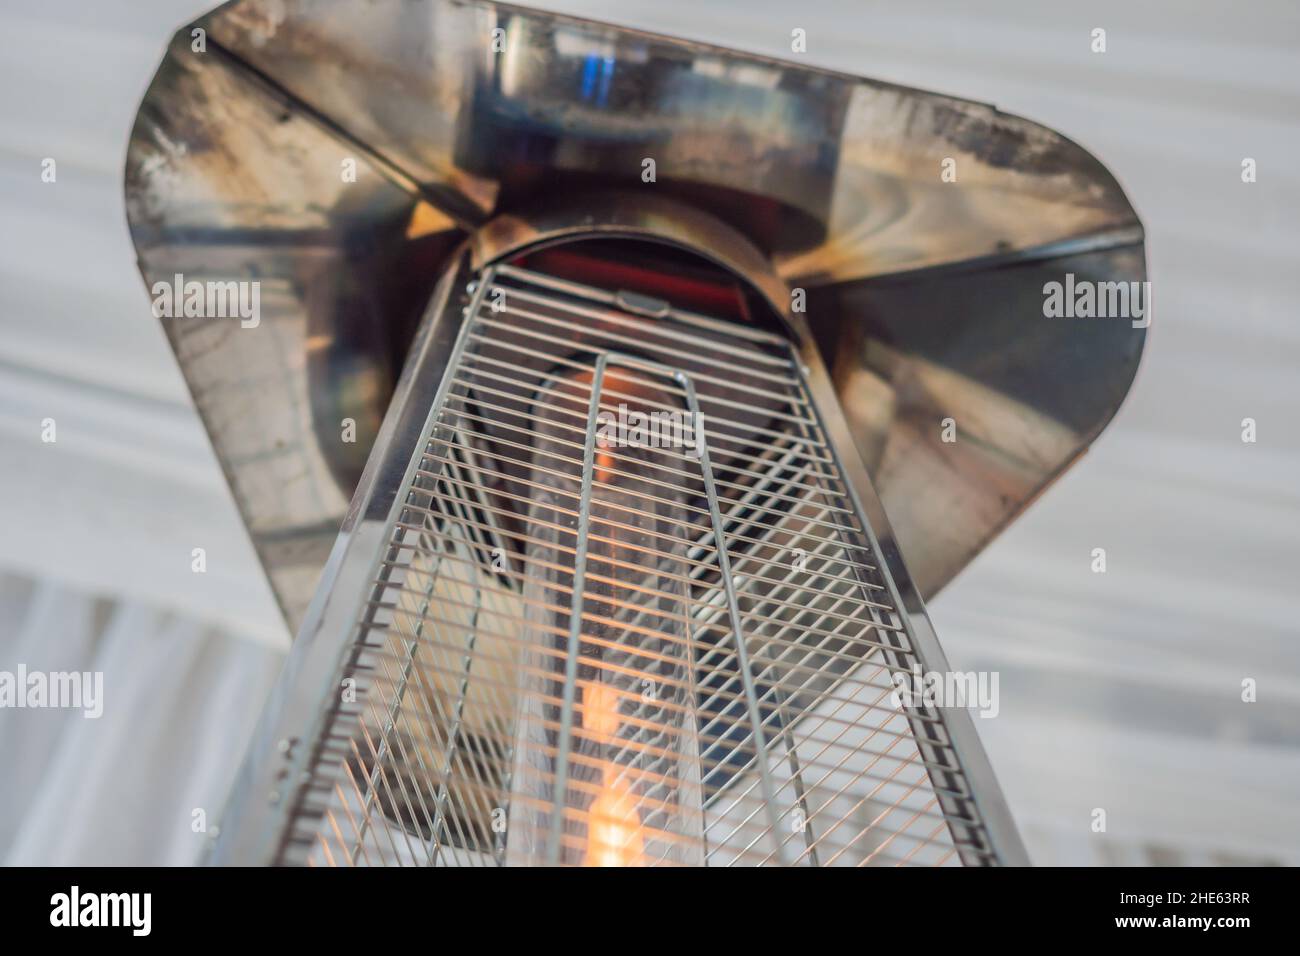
x=629, y=612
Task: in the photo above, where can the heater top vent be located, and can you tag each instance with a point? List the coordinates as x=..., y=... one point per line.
x=924, y=288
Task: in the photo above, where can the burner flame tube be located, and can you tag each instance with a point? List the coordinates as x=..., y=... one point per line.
x=607, y=763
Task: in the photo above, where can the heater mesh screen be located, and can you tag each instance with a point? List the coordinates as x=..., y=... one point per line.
x=628, y=614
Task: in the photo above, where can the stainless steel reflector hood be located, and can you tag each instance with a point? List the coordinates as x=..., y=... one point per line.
x=337, y=153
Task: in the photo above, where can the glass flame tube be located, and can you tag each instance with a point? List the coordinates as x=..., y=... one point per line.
x=631, y=790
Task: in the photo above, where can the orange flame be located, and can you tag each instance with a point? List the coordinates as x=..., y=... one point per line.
x=615, y=834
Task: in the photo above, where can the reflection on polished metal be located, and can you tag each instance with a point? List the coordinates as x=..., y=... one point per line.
x=925, y=296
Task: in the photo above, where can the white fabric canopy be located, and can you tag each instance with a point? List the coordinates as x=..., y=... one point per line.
x=179, y=704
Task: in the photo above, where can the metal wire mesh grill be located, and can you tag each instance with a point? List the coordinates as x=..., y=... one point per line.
x=629, y=614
